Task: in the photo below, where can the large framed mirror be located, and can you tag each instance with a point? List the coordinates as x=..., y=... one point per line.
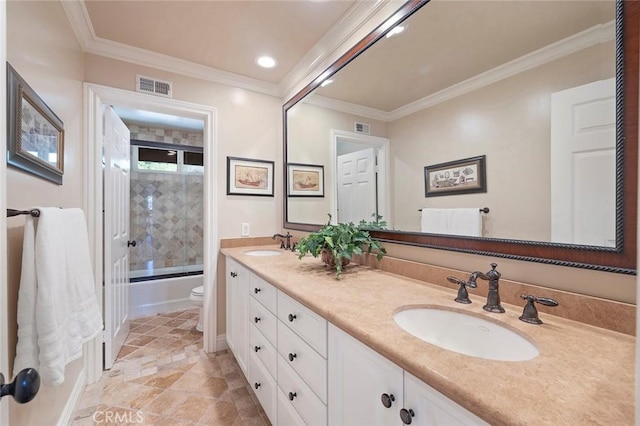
x=545, y=92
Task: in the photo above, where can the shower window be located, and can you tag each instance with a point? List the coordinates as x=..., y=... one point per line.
x=166, y=210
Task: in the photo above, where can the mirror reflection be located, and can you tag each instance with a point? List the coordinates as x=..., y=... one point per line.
x=528, y=85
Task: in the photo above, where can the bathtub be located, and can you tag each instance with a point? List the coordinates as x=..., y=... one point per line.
x=163, y=290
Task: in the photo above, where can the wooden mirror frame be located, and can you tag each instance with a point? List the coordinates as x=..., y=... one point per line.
x=618, y=259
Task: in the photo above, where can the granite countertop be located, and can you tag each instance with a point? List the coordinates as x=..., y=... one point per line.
x=583, y=374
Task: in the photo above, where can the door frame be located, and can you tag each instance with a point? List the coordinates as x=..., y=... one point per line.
x=94, y=97
x=382, y=150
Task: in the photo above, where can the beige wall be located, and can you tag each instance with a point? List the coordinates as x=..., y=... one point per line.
x=308, y=140
x=247, y=125
x=509, y=122
x=43, y=49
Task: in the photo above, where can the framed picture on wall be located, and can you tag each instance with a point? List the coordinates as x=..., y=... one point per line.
x=35, y=134
x=464, y=176
x=305, y=180
x=246, y=176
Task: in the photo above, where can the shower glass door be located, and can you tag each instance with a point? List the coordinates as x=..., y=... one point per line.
x=166, y=210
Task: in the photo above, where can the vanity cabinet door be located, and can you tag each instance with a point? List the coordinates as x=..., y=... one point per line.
x=431, y=408
x=359, y=380
x=237, y=312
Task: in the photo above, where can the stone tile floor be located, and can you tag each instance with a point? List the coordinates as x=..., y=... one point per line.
x=163, y=377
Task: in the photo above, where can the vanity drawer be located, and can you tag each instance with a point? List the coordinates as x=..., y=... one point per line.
x=264, y=320
x=300, y=396
x=287, y=415
x=264, y=386
x=306, y=323
x=265, y=351
x=264, y=292
x=309, y=365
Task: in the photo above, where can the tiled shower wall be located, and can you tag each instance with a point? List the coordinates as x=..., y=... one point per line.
x=155, y=134
x=167, y=209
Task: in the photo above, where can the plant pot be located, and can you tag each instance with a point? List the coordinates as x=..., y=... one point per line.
x=327, y=257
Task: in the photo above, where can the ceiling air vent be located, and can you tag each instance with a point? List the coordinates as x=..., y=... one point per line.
x=363, y=128
x=153, y=86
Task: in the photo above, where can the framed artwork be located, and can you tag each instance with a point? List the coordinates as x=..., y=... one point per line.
x=305, y=180
x=456, y=177
x=246, y=176
x=35, y=135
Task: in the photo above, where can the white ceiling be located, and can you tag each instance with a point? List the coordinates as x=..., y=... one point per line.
x=446, y=42
x=217, y=40
x=225, y=35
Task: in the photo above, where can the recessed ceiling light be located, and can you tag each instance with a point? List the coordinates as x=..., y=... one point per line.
x=266, y=62
x=395, y=31
x=326, y=82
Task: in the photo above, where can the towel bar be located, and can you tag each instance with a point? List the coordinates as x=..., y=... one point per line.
x=32, y=212
x=482, y=210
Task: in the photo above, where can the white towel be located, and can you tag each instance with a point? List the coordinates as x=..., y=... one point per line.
x=467, y=222
x=57, y=307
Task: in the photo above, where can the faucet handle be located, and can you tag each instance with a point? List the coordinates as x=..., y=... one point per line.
x=463, y=294
x=530, y=312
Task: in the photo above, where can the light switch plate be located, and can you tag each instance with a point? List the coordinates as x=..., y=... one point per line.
x=245, y=230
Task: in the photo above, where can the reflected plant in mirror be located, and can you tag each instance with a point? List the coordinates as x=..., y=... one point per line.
x=541, y=88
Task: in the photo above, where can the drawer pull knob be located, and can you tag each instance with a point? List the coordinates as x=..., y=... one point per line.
x=257, y=385
x=256, y=319
x=387, y=399
x=256, y=348
x=234, y=274
x=292, y=356
x=292, y=317
x=256, y=290
x=292, y=395
x=406, y=415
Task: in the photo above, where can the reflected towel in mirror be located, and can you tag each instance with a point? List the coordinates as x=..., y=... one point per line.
x=462, y=221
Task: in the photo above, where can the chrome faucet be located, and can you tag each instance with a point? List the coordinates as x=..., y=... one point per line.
x=493, y=297
x=288, y=246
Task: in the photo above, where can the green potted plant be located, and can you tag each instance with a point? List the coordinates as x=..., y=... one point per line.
x=336, y=244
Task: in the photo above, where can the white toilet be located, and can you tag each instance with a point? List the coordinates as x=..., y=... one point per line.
x=196, y=298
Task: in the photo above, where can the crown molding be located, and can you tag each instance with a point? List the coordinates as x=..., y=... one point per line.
x=81, y=24
x=572, y=44
x=349, y=24
x=347, y=107
x=595, y=35
x=355, y=19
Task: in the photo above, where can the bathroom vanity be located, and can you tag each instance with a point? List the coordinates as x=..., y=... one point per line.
x=320, y=351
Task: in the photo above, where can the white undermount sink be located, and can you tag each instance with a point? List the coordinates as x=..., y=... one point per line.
x=263, y=253
x=466, y=334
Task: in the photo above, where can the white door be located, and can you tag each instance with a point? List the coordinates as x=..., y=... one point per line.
x=116, y=234
x=357, y=186
x=583, y=164
x=238, y=312
x=361, y=382
x=430, y=407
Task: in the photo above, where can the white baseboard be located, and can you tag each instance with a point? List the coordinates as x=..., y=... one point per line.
x=221, y=342
x=70, y=407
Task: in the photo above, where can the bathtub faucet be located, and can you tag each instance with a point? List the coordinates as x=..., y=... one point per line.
x=493, y=297
x=284, y=246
